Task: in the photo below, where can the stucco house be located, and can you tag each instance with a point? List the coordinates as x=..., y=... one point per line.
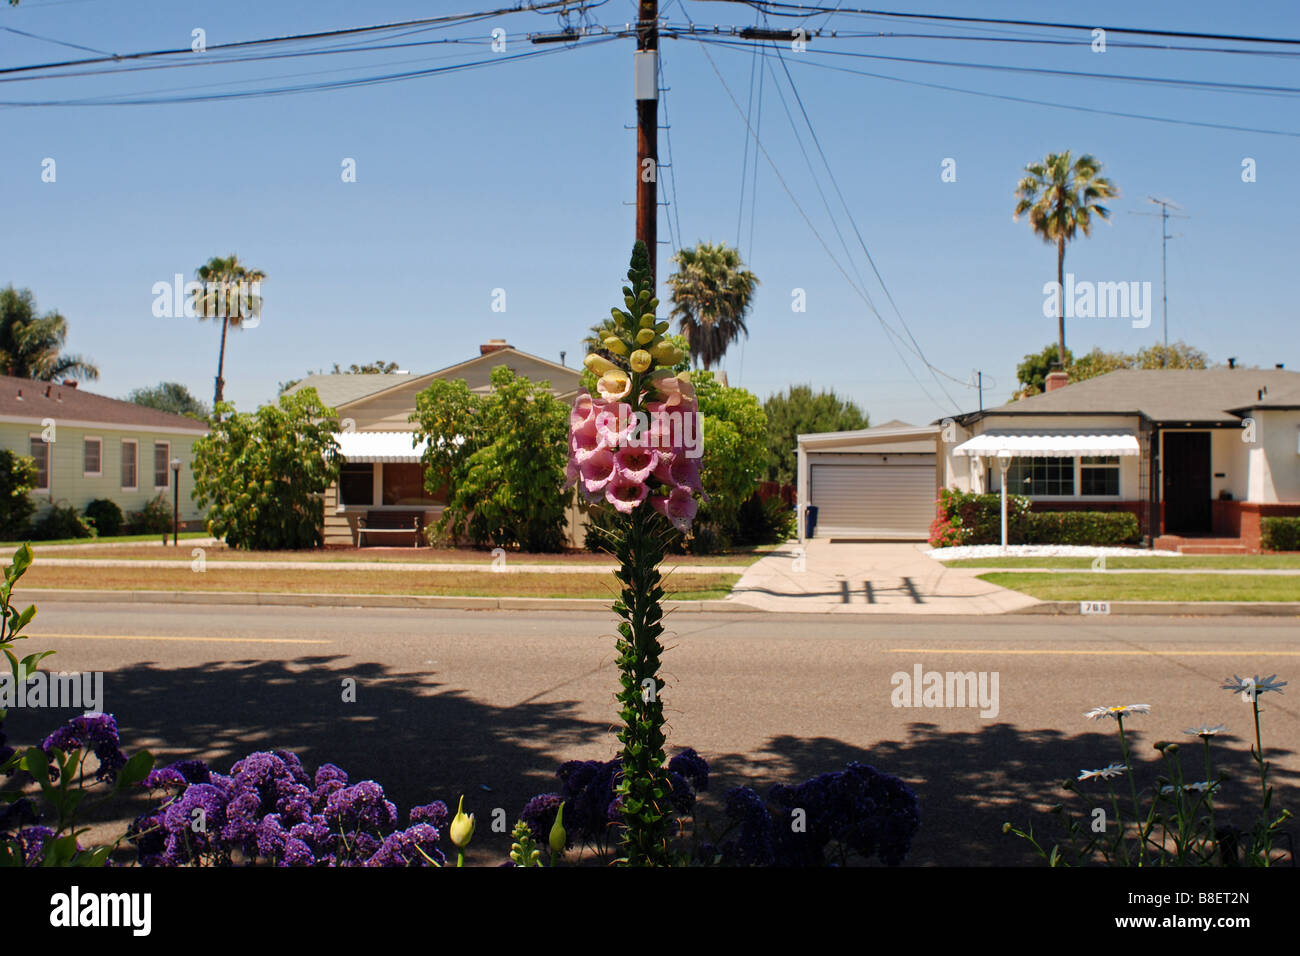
x=89, y=446
x=1200, y=456
x=380, y=498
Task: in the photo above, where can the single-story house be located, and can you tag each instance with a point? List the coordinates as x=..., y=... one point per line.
x=88, y=446
x=1193, y=453
x=380, y=492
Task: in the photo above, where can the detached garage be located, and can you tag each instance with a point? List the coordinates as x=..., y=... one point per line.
x=878, y=482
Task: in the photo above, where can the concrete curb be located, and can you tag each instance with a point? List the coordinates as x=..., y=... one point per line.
x=1176, y=608
x=42, y=595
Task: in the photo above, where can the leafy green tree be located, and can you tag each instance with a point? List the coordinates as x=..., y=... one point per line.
x=170, y=397
x=499, y=458
x=798, y=411
x=735, y=449
x=17, y=479
x=264, y=473
x=1061, y=195
x=712, y=292
x=31, y=344
x=221, y=298
x=1032, y=372
x=369, y=368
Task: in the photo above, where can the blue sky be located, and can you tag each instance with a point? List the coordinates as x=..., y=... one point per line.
x=518, y=176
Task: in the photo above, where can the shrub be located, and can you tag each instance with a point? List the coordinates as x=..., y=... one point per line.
x=764, y=521
x=265, y=473
x=106, y=515
x=1280, y=534
x=17, y=478
x=62, y=521
x=502, y=457
x=1099, y=528
x=154, y=518
x=965, y=518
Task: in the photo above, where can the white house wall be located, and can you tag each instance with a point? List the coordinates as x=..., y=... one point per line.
x=1275, y=455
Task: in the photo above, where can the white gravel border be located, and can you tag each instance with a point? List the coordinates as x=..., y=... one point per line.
x=1043, y=551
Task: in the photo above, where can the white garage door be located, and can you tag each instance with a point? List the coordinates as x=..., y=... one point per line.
x=874, y=500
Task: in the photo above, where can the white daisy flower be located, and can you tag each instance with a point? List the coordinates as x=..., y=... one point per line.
x=1198, y=787
x=1105, y=773
x=1097, y=713
x=1205, y=730
x=1260, y=684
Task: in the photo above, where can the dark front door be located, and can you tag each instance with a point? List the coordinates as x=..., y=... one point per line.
x=1187, y=482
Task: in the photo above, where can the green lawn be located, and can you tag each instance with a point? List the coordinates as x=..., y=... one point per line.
x=1216, y=561
x=1148, y=587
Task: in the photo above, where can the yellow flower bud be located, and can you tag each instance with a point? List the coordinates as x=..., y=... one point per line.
x=647, y=321
x=558, y=836
x=462, y=826
x=665, y=353
x=598, y=364
x=615, y=345
x=639, y=360
x=645, y=336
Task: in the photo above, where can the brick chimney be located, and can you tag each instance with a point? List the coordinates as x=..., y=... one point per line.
x=493, y=345
x=69, y=383
x=1055, y=380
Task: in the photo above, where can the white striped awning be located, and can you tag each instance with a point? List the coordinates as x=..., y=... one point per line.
x=379, y=446
x=1049, y=446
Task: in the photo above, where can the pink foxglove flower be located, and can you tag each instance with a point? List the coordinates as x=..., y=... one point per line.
x=598, y=470
x=624, y=493
x=637, y=464
x=679, y=507
x=613, y=423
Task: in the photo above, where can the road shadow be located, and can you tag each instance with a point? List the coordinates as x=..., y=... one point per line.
x=970, y=783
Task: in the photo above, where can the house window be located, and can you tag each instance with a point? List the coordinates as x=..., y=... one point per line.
x=1041, y=477
x=92, y=453
x=162, y=454
x=130, y=461
x=404, y=485
x=1099, y=476
x=40, y=452
x=357, y=484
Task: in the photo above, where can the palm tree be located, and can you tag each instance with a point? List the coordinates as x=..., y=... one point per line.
x=30, y=344
x=1061, y=198
x=711, y=294
x=225, y=296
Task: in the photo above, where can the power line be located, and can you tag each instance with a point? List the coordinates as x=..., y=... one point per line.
x=1018, y=99
x=801, y=10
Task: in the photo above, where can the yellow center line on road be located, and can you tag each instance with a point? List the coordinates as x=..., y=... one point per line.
x=1064, y=653
x=172, y=637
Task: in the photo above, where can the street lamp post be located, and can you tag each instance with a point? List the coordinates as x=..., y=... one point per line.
x=176, y=503
x=1004, y=462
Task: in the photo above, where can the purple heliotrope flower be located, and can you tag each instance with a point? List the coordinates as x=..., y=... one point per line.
x=97, y=733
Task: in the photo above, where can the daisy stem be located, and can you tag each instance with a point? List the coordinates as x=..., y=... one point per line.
x=1209, y=793
x=1132, y=785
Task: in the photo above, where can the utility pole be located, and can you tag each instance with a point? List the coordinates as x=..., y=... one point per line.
x=647, y=131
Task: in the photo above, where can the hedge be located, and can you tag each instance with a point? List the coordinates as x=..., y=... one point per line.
x=1279, y=534
x=977, y=519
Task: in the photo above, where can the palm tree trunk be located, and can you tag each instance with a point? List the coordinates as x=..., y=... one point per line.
x=221, y=362
x=1060, y=304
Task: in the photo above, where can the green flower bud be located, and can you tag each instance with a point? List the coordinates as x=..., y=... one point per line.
x=558, y=837
x=615, y=345
x=639, y=360
x=647, y=321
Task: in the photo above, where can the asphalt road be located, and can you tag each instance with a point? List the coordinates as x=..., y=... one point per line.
x=490, y=703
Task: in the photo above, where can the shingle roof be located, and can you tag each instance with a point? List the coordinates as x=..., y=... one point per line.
x=29, y=399
x=1164, y=395
x=337, y=389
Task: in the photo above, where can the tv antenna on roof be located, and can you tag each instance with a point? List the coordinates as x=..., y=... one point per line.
x=1164, y=214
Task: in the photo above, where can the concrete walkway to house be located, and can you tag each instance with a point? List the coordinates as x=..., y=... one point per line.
x=869, y=578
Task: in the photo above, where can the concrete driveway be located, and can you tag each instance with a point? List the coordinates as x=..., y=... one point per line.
x=869, y=578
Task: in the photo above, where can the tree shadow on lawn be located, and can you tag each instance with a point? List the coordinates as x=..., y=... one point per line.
x=970, y=783
x=419, y=739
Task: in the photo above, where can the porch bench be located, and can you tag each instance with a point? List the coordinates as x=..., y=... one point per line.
x=403, y=523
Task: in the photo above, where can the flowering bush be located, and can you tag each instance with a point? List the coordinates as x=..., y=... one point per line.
x=270, y=811
x=826, y=819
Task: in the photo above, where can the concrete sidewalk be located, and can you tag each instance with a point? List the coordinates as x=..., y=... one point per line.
x=507, y=567
x=869, y=578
